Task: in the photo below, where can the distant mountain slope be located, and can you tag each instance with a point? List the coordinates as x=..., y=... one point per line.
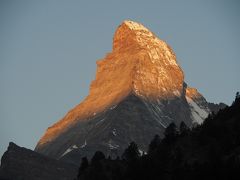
x=19, y=163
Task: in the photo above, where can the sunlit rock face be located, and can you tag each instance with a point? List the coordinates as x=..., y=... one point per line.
x=139, y=89
x=154, y=70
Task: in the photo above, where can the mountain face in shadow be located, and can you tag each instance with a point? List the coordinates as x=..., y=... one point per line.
x=19, y=163
x=208, y=151
x=138, y=91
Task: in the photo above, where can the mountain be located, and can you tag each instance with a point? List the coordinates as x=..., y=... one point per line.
x=208, y=151
x=20, y=163
x=138, y=91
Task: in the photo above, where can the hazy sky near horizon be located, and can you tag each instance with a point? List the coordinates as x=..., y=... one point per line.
x=48, y=51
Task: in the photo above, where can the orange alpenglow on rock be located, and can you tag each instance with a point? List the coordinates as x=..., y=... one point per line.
x=140, y=64
x=193, y=93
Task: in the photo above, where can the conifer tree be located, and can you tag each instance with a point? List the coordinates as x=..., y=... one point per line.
x=131, y=153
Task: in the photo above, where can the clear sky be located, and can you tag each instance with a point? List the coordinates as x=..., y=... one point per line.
x=48, y=51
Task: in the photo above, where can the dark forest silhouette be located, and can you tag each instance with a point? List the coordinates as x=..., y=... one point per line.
x=207, y=151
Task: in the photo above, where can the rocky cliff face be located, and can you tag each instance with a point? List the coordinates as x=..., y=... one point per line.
x=198, y=105
x=139, y=89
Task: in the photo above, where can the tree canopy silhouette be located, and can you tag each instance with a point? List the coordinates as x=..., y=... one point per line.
x=131, y=153
x=154, y=144
x=98, y=156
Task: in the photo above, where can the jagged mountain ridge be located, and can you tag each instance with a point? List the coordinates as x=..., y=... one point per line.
x=132, y=67
x=139, y=90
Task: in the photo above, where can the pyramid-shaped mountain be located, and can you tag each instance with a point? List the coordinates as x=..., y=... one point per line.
x=138, y=91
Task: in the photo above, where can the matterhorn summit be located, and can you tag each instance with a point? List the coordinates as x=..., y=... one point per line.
x=138, y=91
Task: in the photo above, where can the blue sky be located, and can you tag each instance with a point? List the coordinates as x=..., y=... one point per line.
x=48, y=51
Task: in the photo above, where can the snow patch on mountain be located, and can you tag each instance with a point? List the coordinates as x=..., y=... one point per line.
x=114, y=132
x=69, y=150
x=198, y=113
x=112, y=145
x=84, y=145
